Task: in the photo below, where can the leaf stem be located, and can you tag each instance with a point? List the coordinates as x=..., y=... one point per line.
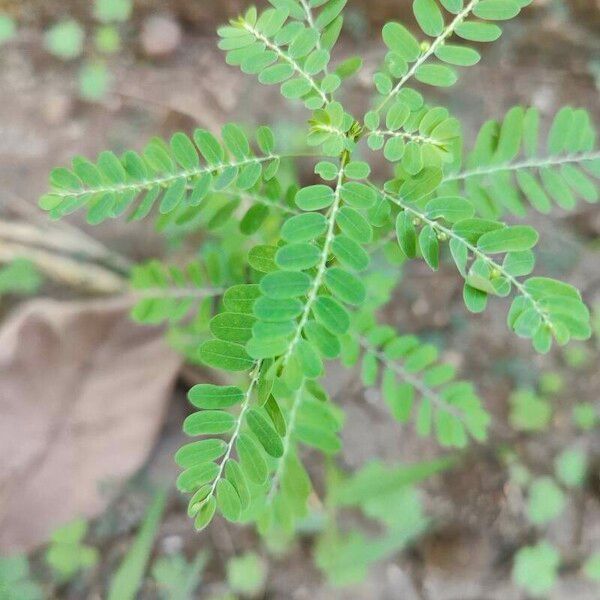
x=245, y=406
x=164, y=181
x=534, y=163
x=409, y=136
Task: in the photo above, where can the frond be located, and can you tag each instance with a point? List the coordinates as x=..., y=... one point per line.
x=509, y=166
x=543, y=308
x=415, y=384
x=427, y=61
x=168, y=293
x=283, y=50
x=285, y=326
x=178, y=175
x=414, y=134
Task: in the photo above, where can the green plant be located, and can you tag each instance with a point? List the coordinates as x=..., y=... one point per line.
x=65, y=39
x=386, y=495
x=20, y=276
x=67, y=555
x=271, y=314
x=15, y=580
x=68, y=40
x=127, y=579
x=246, y=574
x=8, y=28
x=528, y=411
x=536, y=568
x=177, y=579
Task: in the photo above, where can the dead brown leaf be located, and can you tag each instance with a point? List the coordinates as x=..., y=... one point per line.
x=83, y=392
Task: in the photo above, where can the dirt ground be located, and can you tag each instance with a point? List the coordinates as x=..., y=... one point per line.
x=548, y=59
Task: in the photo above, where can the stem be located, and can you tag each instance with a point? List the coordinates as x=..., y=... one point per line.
x=427, y=54
x=311, y=24
x=312, y=295
x=245, y=405
x=261, y=200
x=534, y=163
x=163, y=181
x=409, y=136
x=318, y=280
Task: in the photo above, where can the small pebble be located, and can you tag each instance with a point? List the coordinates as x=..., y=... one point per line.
x=160, y=36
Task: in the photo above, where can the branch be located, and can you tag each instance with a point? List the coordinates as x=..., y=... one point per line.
x=534, y=163
x=460, y=17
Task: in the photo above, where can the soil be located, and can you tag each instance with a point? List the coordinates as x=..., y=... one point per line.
x=546, y=60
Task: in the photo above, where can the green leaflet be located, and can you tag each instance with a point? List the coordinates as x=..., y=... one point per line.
x=508, y=239
x=285, y=284
x=274, y=310
x=358, y=195
x=262, y=258
x=315, y=197
x=297, y=257
x=228, y=501
x=429, y=17
x=346, y=286
x=224, y=355
x=232, y=327
x=200, y=452
x=349, y=253
x=398, y=39
x=251, y=459
x=265, y=434
x=331, y=314
x=241, y=298
x=196, y=476
x=354, y=225
x=208, y=422
x=304, y=228
x=206, y=395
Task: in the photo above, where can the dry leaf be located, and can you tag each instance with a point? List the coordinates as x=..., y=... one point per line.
x=83, y=392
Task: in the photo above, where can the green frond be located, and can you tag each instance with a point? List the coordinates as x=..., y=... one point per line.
x=414, y=134
x=543, y=308
x=291, y=321
x=168, y=293
x=175, y=176
x=269, y=315
x=280, y=49
x=427, y=61
x=510, y=166
x=415, y=385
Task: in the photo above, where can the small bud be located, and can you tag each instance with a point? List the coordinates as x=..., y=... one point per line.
x=495, y=274
x=425, y=45
x=416, y=221
x=442, y=236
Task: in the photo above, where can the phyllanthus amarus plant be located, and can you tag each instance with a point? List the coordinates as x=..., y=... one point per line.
x=273, y=313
